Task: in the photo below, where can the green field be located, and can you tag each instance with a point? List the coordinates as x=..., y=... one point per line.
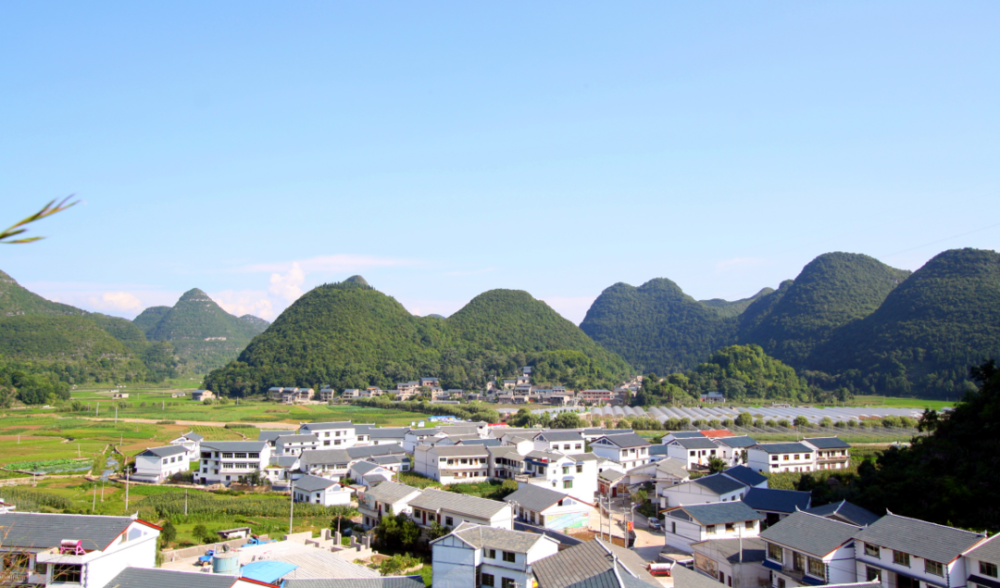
x=894, y=402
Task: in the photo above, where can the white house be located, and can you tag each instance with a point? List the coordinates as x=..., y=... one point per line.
x=807, y=550
x=82, y=551
x=157, y=464
x=418, y=436
x=831, y=452
x=568, y=442
x=594, y=564
x=294, y=444
x=910, y=553
x=480, y=556
x=733, y=562
x=669, y=473
x=681, y=435
x=366, y=473
x=388, y=498
x=279, y=469
x=316, y=490
x=224, y=462
x=777, y=504
x=685, y=525
x=542, y=507
x=384, y=436
x=772, y=458
x=506, y=462
x=449, y=509
x=846, y=512
x=706, y=490
x=452, y=464
x=693, y=451
x=190, y=441
x=733, y=450
x=575, y=475
x=981, y=563
x=331, y=435
x=628, y=449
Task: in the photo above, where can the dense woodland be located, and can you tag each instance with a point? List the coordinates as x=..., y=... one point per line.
x=349, y=335
x=846, y=322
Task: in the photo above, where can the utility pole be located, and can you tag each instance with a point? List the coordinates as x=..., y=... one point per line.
x=186, y=507
x=102, y=489
x=126, y=488
x=116, y=415
x=93, y=505
x=291, y=507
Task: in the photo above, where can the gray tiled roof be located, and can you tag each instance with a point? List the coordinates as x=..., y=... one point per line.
x=550, y=456
x=325, y=457
x=828, y=443
x=285, y=461
x=560, y=436
x=920, y=538
x=659, y=450
x=363, y=467
x=685, y=578
x=47, y=530
x=192, y=436
x=146, y=577
x=313, y=483
x=481, y=442
x=848, y=511
x=536, y=498
x=459, y=430
x=384, y=582
x=784, y=448
x=373, y=450
x=611, y=475
x=781, y=501
x=745, y=475
x=581, y=564
x=741, y=442
x=753, y=549
x=480, y=536
x=437, y=500
x=673, y=467
x=719, y=484
x=270, y=435
x=627, y=440
x=988, y=551
x=385, y=460
x=164, y=451
x=687, y=434
x=695, y=443
x=809, y=533
x=296, y=439
x=389, y=433
x=233, y=445
x=390, y=492
x=586, y=457
x=422, y=432
x=719, y=513
x=326, y=426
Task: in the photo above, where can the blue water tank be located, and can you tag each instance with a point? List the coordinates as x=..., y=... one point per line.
x=226, y=563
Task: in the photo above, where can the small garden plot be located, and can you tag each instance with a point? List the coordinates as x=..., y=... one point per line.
x=53, y=466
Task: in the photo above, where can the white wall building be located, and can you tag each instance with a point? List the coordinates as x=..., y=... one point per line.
x=316, y=490
x=452, y=464
x=693, y=451
x=539, y=506
x=568, y=442
x=190, y=441
x=575, y=475
x=771, y=458
x=686, y=525
x=628, y=449
x=807, y=550
x=158, y=464
x=331, y=435
x=388, y=498
x=706, y=490
x=478, y=556
x=831, y=452
x=449, y=509
x=286, y=445
x=224, y=462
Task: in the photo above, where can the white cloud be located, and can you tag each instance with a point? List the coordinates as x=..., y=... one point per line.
x=289, y=286
x=121, y=302
x=241, y=302
x=339, y=263
x=572, y=308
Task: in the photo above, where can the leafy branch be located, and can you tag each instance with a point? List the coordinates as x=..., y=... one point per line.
x=19, y=228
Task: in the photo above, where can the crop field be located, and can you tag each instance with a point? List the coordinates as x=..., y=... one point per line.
x=894, y=402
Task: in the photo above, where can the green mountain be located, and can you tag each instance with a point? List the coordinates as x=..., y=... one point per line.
x=201, y=332
x=928, y=331
x=657, y=327
x=830, y=292
x=348, y=334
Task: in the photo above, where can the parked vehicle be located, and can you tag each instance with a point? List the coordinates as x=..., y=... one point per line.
x=655, y=524
x=255, y=540
x=207, y=558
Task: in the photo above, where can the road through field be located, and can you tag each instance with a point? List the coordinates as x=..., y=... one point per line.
x=272, y=426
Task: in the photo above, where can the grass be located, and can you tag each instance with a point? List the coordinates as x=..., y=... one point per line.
x=894, y=402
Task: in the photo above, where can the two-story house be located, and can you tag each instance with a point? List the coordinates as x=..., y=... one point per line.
x=542, y=507
x=480, y=556
x=734, y=450
x=366, y=473
x=807, y=550
x=78, y=551
x=628, y=449
x=776, y=504
x=981, y=564
x=386, y=436
x=669, y=473
x=831, y=452
x=331, y=435
x=706, y=490
x=910, y=553
x=285, y=445
x=224, y=462
x=568, y=442
x=575, y=475
x=732, y=562
x=506, y=462
x=190, y=441
x=388, y=498
x=594, y=564
x=157, y=464
x=693, y=451
x=685, y=525
x=449, y=509
x=419, y=436
x=771, y=458
x=452, y=464
x=316, y=490
x=845, y=512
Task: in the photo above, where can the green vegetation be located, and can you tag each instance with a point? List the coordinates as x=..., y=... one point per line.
x=848, y=323
x=348, y=335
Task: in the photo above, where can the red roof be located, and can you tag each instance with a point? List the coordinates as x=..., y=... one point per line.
x=716, y=433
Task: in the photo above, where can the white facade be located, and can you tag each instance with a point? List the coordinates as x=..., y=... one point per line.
x=331, y=435
x=332, y=495
x=694, y=493
x=450, y=510
x=567, y=443
x=158, y=464
x=629, y=456
x=772, y=458
x=681, y=527
x=574, y=475
x=695, y=451
x=475, y=562
x=224, y=462
x=452, y=464
x=286, y=445
x=836, y=567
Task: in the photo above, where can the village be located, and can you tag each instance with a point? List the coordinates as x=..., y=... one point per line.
x=586, y=506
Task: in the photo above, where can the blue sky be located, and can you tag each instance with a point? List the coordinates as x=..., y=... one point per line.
x=255, y=150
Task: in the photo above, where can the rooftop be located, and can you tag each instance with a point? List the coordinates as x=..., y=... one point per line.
x=729, y=549
x=146, y=577
x=828, y=443
x=719, y=513
x=480, y=536
x=784, y=448
x=627, y=440
x=44, y=531
x=390, y=492
x=326, y=426
x=164, y=451
x=560, y=436
x=920, y=538
x=745, y=475
x=719, y=484
x=695, y=443
x=383, y=582
x=988, y=551
x=313, y=484
x=848, y=511
x=742, y=442
x=437, y=500
x=578, y=565
x=233, y=445
x=535, y=498
x=811, y=534
x=780, y=501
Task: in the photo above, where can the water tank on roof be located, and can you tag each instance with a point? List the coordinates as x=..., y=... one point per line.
x=226, y=563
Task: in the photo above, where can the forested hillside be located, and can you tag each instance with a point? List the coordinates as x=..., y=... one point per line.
x=203, y=335
x=350, y=335
x=846, y=322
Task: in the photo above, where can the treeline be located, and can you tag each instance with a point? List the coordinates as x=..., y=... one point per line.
x=742, y=373
x=30, y=385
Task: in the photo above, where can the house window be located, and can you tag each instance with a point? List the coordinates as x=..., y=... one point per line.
x=798, y=562
x=933, y=567
x=816, y=568
x=448, y=521
x=491, y=553
x=508, y=556
x=70, y=574
x=579, y=468
x=565, y=469
x=872, y=574
x=729, y=527
x=872, y=550
x=567, y=484
x=710, y=529
x=901, y=559
x=578, y=446
x=988, y=569
x=507, y=583
x=487, y=580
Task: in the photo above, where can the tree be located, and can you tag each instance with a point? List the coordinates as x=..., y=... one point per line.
x=168, y=533
x=437, y=531
x=744, y=419
x=567, y=420
x=826, y=422
x=716, y=465
x=340, y=512
x=801, y=421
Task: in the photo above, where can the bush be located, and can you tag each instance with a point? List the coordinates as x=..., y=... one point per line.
x=169, y=533
x=166, y=422
x=240, y=426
